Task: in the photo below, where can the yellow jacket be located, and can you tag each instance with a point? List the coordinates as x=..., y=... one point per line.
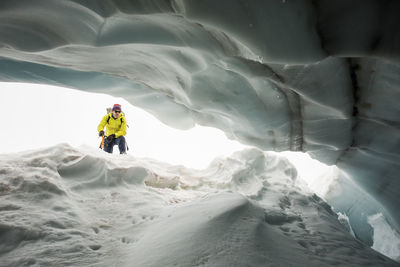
x=113, y=126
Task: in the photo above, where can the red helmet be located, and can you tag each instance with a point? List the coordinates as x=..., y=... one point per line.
x=116, y=107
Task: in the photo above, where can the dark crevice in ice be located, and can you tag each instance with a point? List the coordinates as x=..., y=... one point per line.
x=322, y=38
x=293, y=99
x=296, y=123
x=375, y=42
x=295, y=108
x=354, y=67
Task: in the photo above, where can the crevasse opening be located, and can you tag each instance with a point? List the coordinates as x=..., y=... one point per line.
x=48, y=116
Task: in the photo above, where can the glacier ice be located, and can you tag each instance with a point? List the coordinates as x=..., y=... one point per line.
x=314, y=76
x=385, y=235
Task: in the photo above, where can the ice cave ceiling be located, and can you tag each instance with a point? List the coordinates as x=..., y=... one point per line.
x=317, y=76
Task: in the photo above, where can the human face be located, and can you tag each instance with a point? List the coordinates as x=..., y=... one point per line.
x=116, y=113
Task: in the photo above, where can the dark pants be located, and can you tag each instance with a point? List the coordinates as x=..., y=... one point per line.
x=120, y=142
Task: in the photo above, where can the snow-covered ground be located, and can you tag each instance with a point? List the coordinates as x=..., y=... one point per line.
x=66, y=206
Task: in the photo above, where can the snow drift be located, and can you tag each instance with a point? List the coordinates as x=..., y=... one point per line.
x=68, y=206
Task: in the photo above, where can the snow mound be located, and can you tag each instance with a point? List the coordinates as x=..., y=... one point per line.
x=64, y=206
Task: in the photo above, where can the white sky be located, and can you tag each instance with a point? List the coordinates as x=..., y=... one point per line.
x=36, y=116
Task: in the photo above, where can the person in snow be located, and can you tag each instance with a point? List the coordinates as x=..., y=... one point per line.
x=115, y=124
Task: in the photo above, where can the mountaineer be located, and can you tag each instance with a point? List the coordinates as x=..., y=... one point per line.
x=115, y=124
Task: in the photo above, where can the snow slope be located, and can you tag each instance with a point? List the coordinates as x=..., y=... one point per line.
x=64, y=206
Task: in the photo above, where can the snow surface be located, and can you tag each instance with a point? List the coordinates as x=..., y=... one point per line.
x=65, y=206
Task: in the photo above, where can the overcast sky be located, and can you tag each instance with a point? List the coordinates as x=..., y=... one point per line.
x=37, y=116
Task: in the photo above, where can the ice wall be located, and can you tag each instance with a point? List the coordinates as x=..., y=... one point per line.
x=314, y=76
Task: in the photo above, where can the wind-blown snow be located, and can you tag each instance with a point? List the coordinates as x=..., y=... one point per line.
x=68, y=206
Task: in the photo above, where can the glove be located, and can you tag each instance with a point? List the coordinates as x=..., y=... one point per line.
x=110, y=138
x=101, y=133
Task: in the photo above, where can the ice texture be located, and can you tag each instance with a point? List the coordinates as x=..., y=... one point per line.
x=314, y=76
x=384, y=235
x=65, y=206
